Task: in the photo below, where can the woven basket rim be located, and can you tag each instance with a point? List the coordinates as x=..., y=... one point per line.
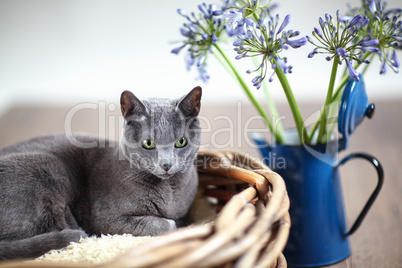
x=264, y=239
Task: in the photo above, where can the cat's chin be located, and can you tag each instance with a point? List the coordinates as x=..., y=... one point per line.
x=164, y=176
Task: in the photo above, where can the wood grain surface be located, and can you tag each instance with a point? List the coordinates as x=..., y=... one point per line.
x=378, y=241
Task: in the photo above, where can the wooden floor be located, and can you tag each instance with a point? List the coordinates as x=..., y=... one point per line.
x=377, y=243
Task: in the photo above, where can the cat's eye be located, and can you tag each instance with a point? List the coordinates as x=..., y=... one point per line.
x=148, y=144
x=181, y=143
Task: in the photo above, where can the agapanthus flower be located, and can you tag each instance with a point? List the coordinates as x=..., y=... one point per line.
x=341, y=39
x=266, y=40
x=233, y=18
x=200, y=32
x=386, y=26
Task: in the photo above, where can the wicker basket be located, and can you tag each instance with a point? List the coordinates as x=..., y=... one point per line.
x=250, y=230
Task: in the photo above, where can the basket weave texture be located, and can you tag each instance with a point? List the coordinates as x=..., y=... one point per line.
x=251, y=229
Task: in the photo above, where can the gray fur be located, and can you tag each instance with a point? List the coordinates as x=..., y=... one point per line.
x=53, y=192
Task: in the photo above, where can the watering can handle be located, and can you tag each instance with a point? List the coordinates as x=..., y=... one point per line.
x=380, y=173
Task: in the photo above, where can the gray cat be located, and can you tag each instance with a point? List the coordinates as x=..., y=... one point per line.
x=52, y=192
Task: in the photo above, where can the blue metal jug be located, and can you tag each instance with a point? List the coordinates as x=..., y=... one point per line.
x=319, y=234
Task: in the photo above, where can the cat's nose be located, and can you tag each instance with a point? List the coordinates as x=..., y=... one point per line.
x=166, y=165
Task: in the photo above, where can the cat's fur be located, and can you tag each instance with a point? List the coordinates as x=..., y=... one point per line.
x=53, y=192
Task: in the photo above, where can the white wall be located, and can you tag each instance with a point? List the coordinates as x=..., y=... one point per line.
x=67, y=51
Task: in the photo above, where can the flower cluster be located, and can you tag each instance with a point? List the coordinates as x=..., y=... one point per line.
x=201, y=32
x=384, y=25
x=256, y=31
x=341, y=40
x=263, y=38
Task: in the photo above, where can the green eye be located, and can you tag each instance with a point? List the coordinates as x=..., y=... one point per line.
x=148, y=144
x=181, y=143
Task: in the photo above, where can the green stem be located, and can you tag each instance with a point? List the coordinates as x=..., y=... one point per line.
x=301, y=130
x=324, y=113
x=345, y=78
x=332, y=124
x=242, y=83
x=336, y=96
x=272, y=108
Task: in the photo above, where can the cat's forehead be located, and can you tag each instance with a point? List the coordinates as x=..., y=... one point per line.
x=152, y=102
x=168, y=123
x=161, y=107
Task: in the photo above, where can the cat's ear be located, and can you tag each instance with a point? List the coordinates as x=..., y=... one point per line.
x=190, y=104
x=131, y=105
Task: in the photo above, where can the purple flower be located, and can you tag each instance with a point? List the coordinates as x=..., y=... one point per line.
x=283, y=65
x=177, y=49
x=328, y=19
x=341, y=52
x=233, y=17
x=201, y=60
x=343, y=41
x=365, y=22
x=366, y=38
x=312, y=53
x=249, y=22
x=284, y=24
x=183, y=13
x=190, y=61
x=370, y=49
x=214, y=39
x=345, y=19
x=352, y=72
x=203, y=74
x=201, y=33
x=321, y=22
x=370, y=43
x=217, y=12
x=294, y=34
x=297, y=43
x=186, y=33
x=372, y=6
x=238, y=57
x=262, y=39
x=204, y=10
x=257, y=81
x=318, y=32
x=238, y=43
x=395, y=60
x=271, y=78
x=383, y=69
x=355, y=20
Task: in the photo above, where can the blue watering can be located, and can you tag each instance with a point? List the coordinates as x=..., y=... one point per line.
x=319, y=234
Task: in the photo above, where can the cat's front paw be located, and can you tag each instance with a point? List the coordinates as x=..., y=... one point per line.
x=72, y=235
x=172, y=224
x=151, y=225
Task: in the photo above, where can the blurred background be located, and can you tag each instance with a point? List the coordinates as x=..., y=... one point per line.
x=62, y=52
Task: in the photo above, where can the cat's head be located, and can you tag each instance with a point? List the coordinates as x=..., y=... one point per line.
x=161, y=136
